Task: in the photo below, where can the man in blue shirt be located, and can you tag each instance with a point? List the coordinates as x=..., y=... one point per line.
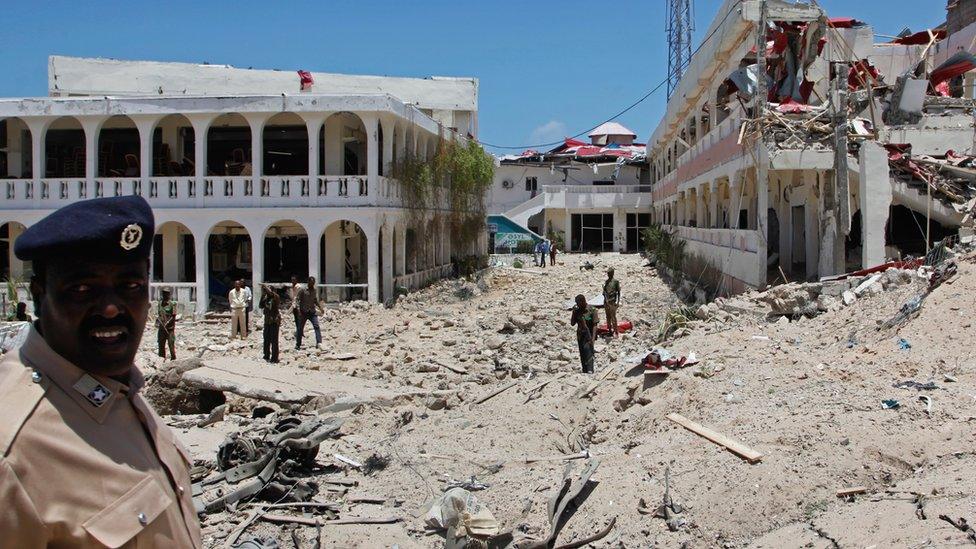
x=543, y=253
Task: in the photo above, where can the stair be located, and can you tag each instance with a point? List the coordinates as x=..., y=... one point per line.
x=520, y=214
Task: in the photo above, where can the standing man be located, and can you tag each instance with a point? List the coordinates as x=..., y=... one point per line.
x=293, y=297
x=238, y=306
x=166, y=325
x=544, y=252
x=611, y=298
x=585, y=319
x=552, y=254
x=250, y=305
x=271, y=307
x=84, y=460
x=309, y=309
x=537, y=253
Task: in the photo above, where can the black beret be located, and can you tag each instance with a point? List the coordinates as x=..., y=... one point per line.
x=114, y=229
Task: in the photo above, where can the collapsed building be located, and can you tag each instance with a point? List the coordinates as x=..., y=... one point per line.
x=819, y=153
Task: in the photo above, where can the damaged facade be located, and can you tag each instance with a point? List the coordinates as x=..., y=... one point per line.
x=260, y=175
x=757, y=189
x=591, y=196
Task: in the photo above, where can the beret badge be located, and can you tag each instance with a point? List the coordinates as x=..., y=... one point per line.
x=131, y=236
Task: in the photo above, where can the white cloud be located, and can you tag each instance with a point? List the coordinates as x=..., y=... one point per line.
x=552, y=130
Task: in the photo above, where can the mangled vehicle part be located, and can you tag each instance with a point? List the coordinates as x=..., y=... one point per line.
x=265, y=466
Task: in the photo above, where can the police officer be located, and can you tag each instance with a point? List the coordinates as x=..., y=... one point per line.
x=84, y=459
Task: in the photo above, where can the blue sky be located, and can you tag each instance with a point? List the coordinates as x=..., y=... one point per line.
x=547, y=69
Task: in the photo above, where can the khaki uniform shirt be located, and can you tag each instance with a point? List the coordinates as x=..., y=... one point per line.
x=85, y=461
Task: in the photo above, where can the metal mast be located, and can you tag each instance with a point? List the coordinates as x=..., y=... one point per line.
x=679, y=26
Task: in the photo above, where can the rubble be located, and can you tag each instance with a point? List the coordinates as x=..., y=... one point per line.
x=790, y=386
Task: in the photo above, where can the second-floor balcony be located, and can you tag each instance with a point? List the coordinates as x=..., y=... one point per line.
x=210, y=192
x=597, y=196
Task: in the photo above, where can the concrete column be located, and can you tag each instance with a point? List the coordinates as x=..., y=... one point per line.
x=257, y=261
x=257, y=121
x=372, y=156
x=736, y=192
x=700, y=218
x=92, y=126
x=619, y=230
x=315, y=254
x=313, y=124
x=145, y=124
x=401, y=251
x=373, y=262
x=38, y=128
x=201, y=247
x=811, y=213
x=388, y=125
x=335, y=254
x=201, y=133
x=875, y=202
x=716, y=217
x=401, y=142
x=387, y=244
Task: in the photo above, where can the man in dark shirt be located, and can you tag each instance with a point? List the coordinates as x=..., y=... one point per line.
x=585, y=319
x=309, y=309
x=166, y=326
x=611, y=299
x=271, y=307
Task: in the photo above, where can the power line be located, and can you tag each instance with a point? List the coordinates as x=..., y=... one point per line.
x=624, y=111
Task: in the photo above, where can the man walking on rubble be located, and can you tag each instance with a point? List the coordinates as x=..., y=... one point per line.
x=293, y=300
x=611, y=298
x=238, y=303
x=271, y=307
x=309, y=309
x=166, y=326
x=585, y=318
x=85, y=462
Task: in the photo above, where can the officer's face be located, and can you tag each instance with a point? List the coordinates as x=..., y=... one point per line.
x=93, y=314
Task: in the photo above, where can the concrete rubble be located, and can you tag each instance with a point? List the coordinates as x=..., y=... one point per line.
x=792, y=373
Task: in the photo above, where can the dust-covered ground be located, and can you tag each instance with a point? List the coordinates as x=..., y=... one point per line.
x=805, y=392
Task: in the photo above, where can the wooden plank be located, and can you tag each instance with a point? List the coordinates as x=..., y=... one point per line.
x=736, y=448
x=496, y=393
x=852, y=491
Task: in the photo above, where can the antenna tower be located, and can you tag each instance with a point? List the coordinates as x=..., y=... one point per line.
x=680, y=24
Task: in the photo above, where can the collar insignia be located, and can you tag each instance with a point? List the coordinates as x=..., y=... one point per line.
x=95, y=392
x=131, y=236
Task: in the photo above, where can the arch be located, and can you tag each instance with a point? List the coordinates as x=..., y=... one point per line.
x=173, y=146
x=118, y=148
x=16, y=151
x=229, y=145
x=229, y=257
x=285, y=145
x=345, y=259
x=64, y=147
x=344, y=144
x=285, y=251
x=174, y=254
x=12, y=268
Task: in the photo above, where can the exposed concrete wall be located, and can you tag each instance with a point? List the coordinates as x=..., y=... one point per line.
x=90, y=76
x=501, y=199
x=875, y=201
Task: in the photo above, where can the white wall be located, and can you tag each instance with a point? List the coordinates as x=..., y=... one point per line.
x=89, y=76
x=501, y=200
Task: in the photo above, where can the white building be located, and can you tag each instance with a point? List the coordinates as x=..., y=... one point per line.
x=249, y=175
x=749, y=207
x=594, y=196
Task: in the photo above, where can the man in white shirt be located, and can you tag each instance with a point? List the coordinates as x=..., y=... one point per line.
x=238, y=308
x=250, y=305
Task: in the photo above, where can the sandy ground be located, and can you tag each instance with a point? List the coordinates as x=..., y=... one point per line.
x=805, y=393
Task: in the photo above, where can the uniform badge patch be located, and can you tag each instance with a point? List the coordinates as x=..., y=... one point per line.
x=95, y=392
x=131, y=236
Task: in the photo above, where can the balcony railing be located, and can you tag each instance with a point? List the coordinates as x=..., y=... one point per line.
x=599, y=189
x=212, y=191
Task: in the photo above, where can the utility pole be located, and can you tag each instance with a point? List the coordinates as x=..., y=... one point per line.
x=842, y=193
x=762, y=153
